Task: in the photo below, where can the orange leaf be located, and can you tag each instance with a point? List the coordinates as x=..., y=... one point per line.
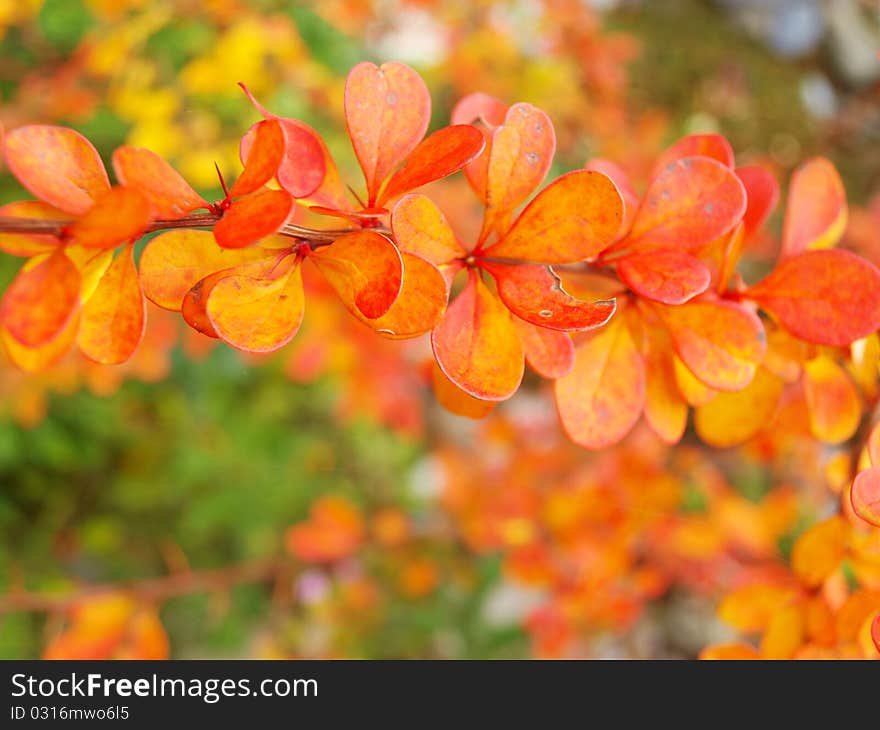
x=170, y=196
x=477, y=346
x=535, y=294
x=722, y=343
x=818, y=551
x=713, y=146
x=174, y=261
x=263, y=159
x=816, y=213
x=114, y=318
x=865, y=495
x=193, y=307
x=731, y=419
x=58, y=165
x=695, y=392
x=420, y=304
x=29, y=244
x=334, y=530
x=365, y=269
x=572, y=219
x=455, y=400
x=689, y=204
x=667, y=275
x=601, y=399
x=258, y=314
x=442, y=153
x=41, y=300
x=485, y=113
x=34, y=359
x=387, y=110
x=253, y=218
x=550, y=353
x=832, y=401
x=762, y=192
x=666, y=411
x=825, y=297
x=420, y=228
x=624, y=185
x=119, y=216
x=519, y=158
x=785, y=632
x=306, y=168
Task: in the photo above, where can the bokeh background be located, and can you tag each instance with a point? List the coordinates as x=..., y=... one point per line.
x=319, y=503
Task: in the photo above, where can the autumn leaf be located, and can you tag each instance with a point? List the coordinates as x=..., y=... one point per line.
x=713, y=146
x=689, y=204
x=170, y=196
x=174, y=261
x=825, y=297
x=420, y=228
x=720, y=342
x=365, y=269
x=666, y=411
x=816, y=213
x=601, y=399
x=574, y=218
x=865, y=495
x=819, y=550
x=455, y=400
x=535, y=294
x=41, y=300
x=258, y=314
x=667, y=276
x=263, y=159
x=119, y=216
x=477, y=346
x=252, y=218
x=387, y=110
x=762, y=192
x=58, y=165
x=442, y=153
x=114, y=318
x=832, y=401
x=550, y=353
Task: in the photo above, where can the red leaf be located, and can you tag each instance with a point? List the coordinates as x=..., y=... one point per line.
x=816, y=213
x=365, y=269
x=519, y=159
x=420, y=228
x=762, y=192
x=263, y=159
x=550, y=353
x=119, y=216
x=58, y=165
x=572, y=219
x=601, y=399
x=258, y=314
x=41, y=300
x=713, y=146
x=535, y=294
x=667, y=275
x=170, y=196
x=115, y=316
x=387, y=110
x=253, y=218
x=306, y=169
x=477, y=346
x=420, y=304
x=825, y=297
x=720, y=342
x=689, y=204
x=442, y=153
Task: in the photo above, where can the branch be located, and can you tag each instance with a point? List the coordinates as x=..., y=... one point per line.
x=150, y=589
x=56, y=228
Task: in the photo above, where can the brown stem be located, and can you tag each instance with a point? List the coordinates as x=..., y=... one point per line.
x=56, y=228
x=153, y=590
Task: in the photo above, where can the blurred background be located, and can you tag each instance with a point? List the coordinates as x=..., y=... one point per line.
x=318, y=503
